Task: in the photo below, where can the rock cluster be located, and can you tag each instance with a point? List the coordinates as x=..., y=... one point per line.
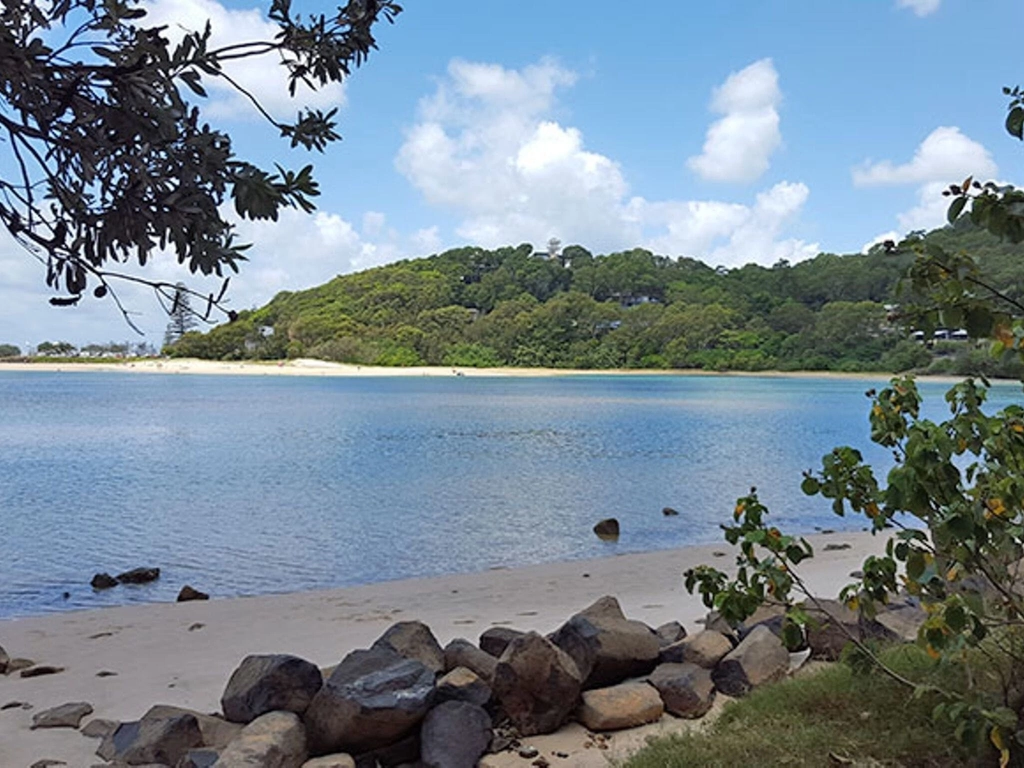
x=407, y=700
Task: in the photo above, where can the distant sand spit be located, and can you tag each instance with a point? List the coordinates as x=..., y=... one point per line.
x=184, y=653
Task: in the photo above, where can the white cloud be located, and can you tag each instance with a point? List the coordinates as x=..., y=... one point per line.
x=920, y=7
x=263, y=76
x=946, y=156
x=373, y=223
x=739, y=144
x=487, y=148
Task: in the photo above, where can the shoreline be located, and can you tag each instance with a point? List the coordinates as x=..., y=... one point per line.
x=312, y=367
x=183, y=653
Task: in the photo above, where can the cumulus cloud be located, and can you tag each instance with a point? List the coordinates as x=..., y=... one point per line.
x=739, y=145
x=486, y=147
x=263, y=76
x=920, y=7
x=946, y=156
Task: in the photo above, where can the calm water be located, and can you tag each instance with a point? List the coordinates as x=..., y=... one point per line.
x=242, y=485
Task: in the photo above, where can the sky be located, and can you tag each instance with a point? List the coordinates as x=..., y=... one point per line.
x=737, y=131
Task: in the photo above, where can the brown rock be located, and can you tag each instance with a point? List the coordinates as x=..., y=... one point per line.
x=270, y=683
x=273, y=740
x=152, y=740
x=414, y=640
x=829, y=628
x=217, y=732
x=759, y=658
x=139, y=576
x=462, y=653
x=537, y=684
x=17, y=664
x=187, y=593
x=339, y=760
x=901, y=621
x=496, y=639
x=686, y=689
x=705, y=649
x=608, y=529
x=455, y=734
x=671, y=632
x=65, y=716
x=606, y=646
x=626, y=705
x=463, y=684
x=99, y=728
x=103, y=581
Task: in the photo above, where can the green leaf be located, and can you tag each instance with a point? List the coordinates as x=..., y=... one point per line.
x=955, y=209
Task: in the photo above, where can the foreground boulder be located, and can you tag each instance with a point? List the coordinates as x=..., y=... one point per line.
x=199, y=758
x=138, y=576
x=462, y=653
x=686, y=689
x=414, y=640
x=372, y=699
x=455, y=735
x=759, y=658
x=153, y=739
x=65, y=716
x=273, y=740
x=262, y=684
x=463, y=684
x=496, y=639
x=606, y=646
x=626, y=705
x=537, y=684
x=705, y=649
x=217, y=732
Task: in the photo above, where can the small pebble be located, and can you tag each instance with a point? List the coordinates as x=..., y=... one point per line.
x=528, y=752
x=105, y=673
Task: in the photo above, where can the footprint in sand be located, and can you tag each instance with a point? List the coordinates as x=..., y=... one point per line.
x=464, y=621
x=98, y=635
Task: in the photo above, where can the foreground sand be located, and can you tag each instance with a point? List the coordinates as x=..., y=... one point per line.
x=307, y=367
x=184, y=653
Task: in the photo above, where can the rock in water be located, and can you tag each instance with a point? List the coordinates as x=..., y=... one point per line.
x=760, y=658
x=455, y=734
x=669, y=512
x=103, y=581
x=626, y=705
x=414, y=640
x=152, y=740
x=138, y=576
x=462, y=653
x=608, y=529
x=65, y=716
x=187, y=593
x=373, y=698
x=273, y=740
x=537, y=684
x=270, y=683
x=686, y=689
x=606, y=646
x=496, y=639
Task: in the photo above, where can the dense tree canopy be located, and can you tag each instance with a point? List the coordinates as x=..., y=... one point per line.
x=110, y=159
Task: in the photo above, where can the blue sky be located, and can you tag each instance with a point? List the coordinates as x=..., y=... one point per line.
x=733, y=131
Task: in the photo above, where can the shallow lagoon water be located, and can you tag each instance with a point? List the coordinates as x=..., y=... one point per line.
x=249, y=485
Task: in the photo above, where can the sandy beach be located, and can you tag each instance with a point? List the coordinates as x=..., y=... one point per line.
x=309, y=367
x=183, y=653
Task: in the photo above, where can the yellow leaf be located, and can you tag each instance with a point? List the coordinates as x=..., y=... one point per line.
x=871, y=509
x=996, y=506
x=996, y=735
x=931, y=651
x=1018, y=428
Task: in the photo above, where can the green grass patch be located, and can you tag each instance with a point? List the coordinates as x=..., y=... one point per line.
x=822, y=719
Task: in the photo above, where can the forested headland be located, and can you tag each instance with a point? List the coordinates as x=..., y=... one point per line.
x=569, y=308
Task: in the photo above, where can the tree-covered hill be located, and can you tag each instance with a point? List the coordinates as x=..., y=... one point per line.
x=632, y=309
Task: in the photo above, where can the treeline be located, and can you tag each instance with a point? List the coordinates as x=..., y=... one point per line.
x=632, y=309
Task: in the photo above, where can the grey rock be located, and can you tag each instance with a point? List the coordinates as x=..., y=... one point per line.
x=99, y=728
x=455, y=734
x=339, y=760
x=831, y=625
x=607, y=529
x=759, y=658
x=462, y=653
x=138, y=576
x=65, y=716
x=273, y=740
x=18, y=664
x=103, y=581
x=162, y=740
x=189, y=593
x=537, y=684
x=39, y=670
x=626, y=705
x=606, y=646
x=199, y=758
x=463, y=684
x=671, y=632
x=404, y=752
x=705, y=649
x=373, y=698
x=496, y=639
x=217, y=732
x=669, y=512
x=686, y=689
x=270, y=683
x=414, y=640
x=902, y=621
